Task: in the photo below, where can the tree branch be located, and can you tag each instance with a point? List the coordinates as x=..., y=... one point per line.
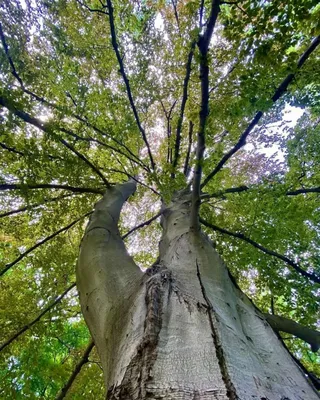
x=278, y=93
x=174, y=5
x=203, y=45
x=85, y=121
x=126, y=80
x=73, y=189
x=52, y=105
x=313, y=277
x=42, y=100
x=98, y=10
x=182, y=107
x=84, y=359
x=6, y=50
x=43, y=241
x=11, y=149
x=231, y=69
x=244, y=188
x=30, y=324
x=146, y=223
x=283, y=324
x=108, y=146
x=204, y=40
x=46, y=128
x=86, y=160
x=201, y=13
x=186, y=169
x=304, y=190
x=168, y=118
x=221, y=193
x=31, y=206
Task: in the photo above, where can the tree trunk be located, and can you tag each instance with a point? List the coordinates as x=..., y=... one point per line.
x=182, y=330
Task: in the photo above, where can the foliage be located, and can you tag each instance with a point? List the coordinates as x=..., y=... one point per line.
x=73, y=112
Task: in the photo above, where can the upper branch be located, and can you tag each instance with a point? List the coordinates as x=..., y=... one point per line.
x=131, y=156
x=6, y=50
x=46, y=128
x=182, y=107
x=29, y=207
x=168, y=118
x=301, y=191
x=203, y=45
x=11, y=149
x=126, y=80
x=313, y=277
x=186, y=169
x=221, y=193
x=174, y=5
x=204, y=40
x=17, y=186
x=244, y=188
x=45, y=102
x=278, y=93
x=103, y=144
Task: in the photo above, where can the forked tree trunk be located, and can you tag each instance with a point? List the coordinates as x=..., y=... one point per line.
x=182, y=330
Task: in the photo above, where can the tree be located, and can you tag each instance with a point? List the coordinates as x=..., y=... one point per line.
x=175, y=113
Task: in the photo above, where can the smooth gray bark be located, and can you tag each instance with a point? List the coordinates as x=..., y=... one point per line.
x=282, y=324
x=182, y=330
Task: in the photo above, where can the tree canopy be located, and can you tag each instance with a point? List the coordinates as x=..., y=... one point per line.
x=221, y=96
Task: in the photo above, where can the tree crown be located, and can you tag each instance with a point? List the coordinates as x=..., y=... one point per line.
x=173, y=94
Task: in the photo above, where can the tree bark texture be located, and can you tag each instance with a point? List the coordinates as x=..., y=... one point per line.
x=182, y=330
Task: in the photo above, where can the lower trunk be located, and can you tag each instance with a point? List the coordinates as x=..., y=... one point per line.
x=182, y=330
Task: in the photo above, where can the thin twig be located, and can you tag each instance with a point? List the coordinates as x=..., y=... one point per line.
x=135, y=179
x=232, y=68
x=146, y=223
x=222, y=193
x=174, y=5
x=86, y=160
x=97, y=10
x=85, y=121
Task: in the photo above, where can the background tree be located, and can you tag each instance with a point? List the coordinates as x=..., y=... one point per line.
x=171, y=95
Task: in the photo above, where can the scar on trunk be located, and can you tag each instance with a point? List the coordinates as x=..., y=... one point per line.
x=139, y=371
